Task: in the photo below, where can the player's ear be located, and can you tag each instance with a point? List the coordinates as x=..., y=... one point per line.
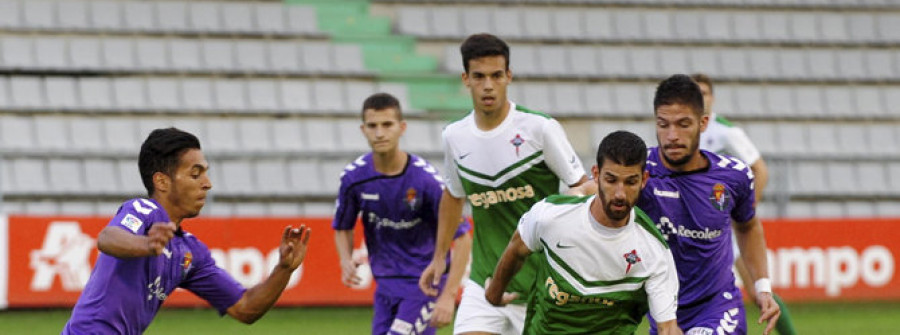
x=644, y=178
x=704, y=121
x=465, y=78
x=595, y=172
x=161, y=182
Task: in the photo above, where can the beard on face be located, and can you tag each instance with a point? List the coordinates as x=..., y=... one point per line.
x=683, y=160
x=615, y=214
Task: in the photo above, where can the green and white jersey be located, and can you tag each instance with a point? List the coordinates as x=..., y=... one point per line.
x=722, y=137
x=593, y=279
x=502, y=173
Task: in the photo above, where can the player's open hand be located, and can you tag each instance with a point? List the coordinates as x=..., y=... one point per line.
x=430, y=279
x=442, y=314
x=158, y=237
x=497, y=297
x=293, y=246
x=768, y=311
x=348, y=273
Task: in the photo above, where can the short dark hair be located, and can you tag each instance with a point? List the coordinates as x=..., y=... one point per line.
x=162, y=151
x=483, y=45
x=379, y=101
x=623, y=148
x=704, y=79
x=679, y=89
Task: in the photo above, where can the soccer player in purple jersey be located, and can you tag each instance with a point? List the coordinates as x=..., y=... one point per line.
x=693, y=195
x=145, y=254
x=397, y=195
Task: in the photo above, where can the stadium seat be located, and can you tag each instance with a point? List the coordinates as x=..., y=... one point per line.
x=775, y=27
x=285, y=209
x=398, y=90
x=296, y=96
x=119, y=54
x=833, y=27
x=121, y=135
x=269, y=18
x=284, y=57
x=843, y=178
x=880, y=64
x=348, y=59
x=828, y=209
x=328, y=96
x=583, y=61
x=443, y=22
x=66, y=176
x=705, y=60
x=16, y=133
x=140, y=16
x=809, y=101
x=95, y=93
x=869, y=101
x=172, y=16
x=330, y=175
x=305, y=177
x=734, y=64
x=861, y=27
x=204, y=17
x=54, y=133
x=567, y=24
x=250, y=209
x=567, y=99
x=237, y=177
x=85, y=54
x=25, y=176
x=61, y=93
x=318, y=209
x=872, y=177
x=357, y=92
x=255, y=135
x=185, y=55
x=288, y=136
x=838, y=101
x=39, y=14
x=860, y=209
x=809, y=178
x=26, y=92
x=237, y=17
x=688, y=25
x=413, y=21
x=599, y=101
x=129, y=177
x=614, y=62
x=779, y=102
x=230, y=95
x=507, y=23
x=747, y=27
x=263, y=95
x=16, y=53
x=657, y=26
x=804, y=26
x=152, y=55
x=221, y=136
x=198, y=94
x=763, y=63
x=793, y=64
x=80, y=208
x=321, y=135
x=551, y=60
x=850, y=64
x=250, y=56
x=351, y=139
x=882, y=139
x=822, y=64
x=163, y=94
x=851, y=139
x=51, y=54
x=129, y=93
x=792, y=138
x=9, y=14
x=217, y=55
x=87, y=135
x=302, y=20
x=100, y=176
x=674, y=60
x=717, y=25
x=476, y=20
x=644, y=63
x=421, y=137
x=317, y=57
x=763, y=135
x=536, y=96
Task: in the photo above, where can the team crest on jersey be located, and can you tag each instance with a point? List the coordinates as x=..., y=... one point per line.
x=719, y=197
x=517, y=142
x=186, y=264
x=412, y=199
x=631, y=258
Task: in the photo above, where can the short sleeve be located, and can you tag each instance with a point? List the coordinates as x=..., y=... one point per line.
x=559, y=154
x=529, y=228
x=137, y=215
x=346, y=207
x=662, y=288
x=744, y=197
x=741, y=146
x=451, y=173
x=210, y=282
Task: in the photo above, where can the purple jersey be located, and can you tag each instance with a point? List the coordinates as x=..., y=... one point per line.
x=693, y=210
x=399, y=215
x=124, y=294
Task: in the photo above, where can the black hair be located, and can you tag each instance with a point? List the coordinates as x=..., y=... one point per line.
x=623, y=148
x=379, y=101
x=483, y=45
x=161, y=152
x=679, y=89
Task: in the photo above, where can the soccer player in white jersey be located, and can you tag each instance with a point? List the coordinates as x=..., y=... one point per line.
x=502, y=158
x=723, y=137
x=603, y=262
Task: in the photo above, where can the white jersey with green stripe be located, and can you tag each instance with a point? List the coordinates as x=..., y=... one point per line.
x=502, y=173
x=722, y=137
x=593, y=279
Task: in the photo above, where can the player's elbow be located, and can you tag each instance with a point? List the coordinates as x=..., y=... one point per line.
x=246, y=316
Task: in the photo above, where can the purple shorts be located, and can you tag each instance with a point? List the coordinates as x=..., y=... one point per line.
x=722, y=314
x=402, y=316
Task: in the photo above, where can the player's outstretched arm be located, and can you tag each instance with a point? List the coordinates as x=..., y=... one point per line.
x=343, y=241
x=752, y=243
x=449, y=218
x=259, y=299
x=668, y=328
x=443, y=310
x=118, y=242
x=510, y=263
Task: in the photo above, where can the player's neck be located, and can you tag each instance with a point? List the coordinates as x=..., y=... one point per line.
x=170, y=209
x=599, y=215
x=390, y=163
x=486, y=121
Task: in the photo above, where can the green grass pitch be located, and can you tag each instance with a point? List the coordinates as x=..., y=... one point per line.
x=830, y=318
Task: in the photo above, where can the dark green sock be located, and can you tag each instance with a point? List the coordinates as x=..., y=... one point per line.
x=785, y=325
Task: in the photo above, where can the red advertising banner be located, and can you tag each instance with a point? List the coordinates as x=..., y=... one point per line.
x=834, y=259
x=50, y=259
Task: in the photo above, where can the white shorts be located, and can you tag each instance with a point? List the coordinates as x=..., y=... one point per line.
x=476, y=314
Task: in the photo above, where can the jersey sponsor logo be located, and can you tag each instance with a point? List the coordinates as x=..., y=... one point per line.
x=369, y=196
x=631, y=258
x=666, y=194
x=131, y=222
x=65, y=254
x=517, y=142
x=667, y=227
x=380, y=222
x=486, y=199
x=719, y=197
x=561, y=298
x=699, y=331
x=413, y=200
x=561, y=246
